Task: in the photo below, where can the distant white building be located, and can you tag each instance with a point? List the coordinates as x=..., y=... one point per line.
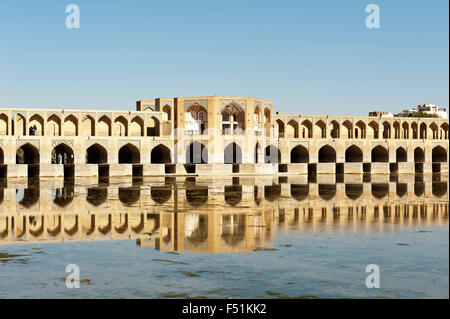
x=427, y=109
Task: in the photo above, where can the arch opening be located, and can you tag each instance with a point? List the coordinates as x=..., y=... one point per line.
x=196, y=153
x=353, y=154
x=232, y=154
x=327, y=191
x=439, y=155
x=233, y=194
x=419, y=155
x=96, y=154
x=401, y=155
x=129, y=154
x=299, y=154
x=129, y=195
x=299, y=191
x=27, y=154
x=160, y=155
x=272, y=154
x=353, y=191
x=62, y=154
x=161, y=194
x=327, y=154
x=380, y=154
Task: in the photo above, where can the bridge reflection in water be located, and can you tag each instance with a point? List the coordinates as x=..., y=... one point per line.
x=213, y=215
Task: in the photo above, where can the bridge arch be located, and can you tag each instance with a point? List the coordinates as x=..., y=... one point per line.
x=120, y=126
x=27, y=154
x=380, y=154
x=96, y=154
x=62, y=154
x=160, y=194
x=70, y=126
x=232, y=154
x=439, y=154
x=353, y=191
x=233, y=194
x=400, y=155
x=129, y=195
x=419, y=155
x=299, y=154
x=53, y=125
x=160, y=155
x=36, y=125
x=272, y=154
x=353, y=154
x=136, y=126
x=327, y=154
x=299, y=191
x=197, y=153
x=4, y=124
x=327, y=191
x=129, y=154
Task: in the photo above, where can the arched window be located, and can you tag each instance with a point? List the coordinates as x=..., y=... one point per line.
x=196, y=119
x=233, y=119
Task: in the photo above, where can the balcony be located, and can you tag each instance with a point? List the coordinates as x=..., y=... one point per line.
x=233, y=132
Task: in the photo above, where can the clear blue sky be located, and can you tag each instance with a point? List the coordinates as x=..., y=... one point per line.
x=309, y=57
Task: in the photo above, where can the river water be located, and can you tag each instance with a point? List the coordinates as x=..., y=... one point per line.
x=224, y=237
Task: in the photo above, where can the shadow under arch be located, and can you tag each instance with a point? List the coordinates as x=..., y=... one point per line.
x=380, y=190
x=91, y=228
x=72, y=231
x=419, y=188
x=419, y=155
x=122, y=228
x=5, y=231
x=139, y=227
x=327, y=154
x=439, y=189
x=327, y=191
x=30, y=196
x=106, y=228
x=353, y=154
x=299, y=154
x=160, y=155
x=96, y=154
x=129, y=195
x=400, y=155
x=438, y=155
x=272, y=193
x=353, y=191
x=63, y=196
x=300, y=192
x=401, y=189
x=53, y=232
x=379, y=154
x=233, y=194
x=129, y=154
x=38, y=232
x=161, y=194
x=196, y=195
x=256, y=197
x=96, y=195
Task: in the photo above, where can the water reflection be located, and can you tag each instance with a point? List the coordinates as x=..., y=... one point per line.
x=211, y=215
